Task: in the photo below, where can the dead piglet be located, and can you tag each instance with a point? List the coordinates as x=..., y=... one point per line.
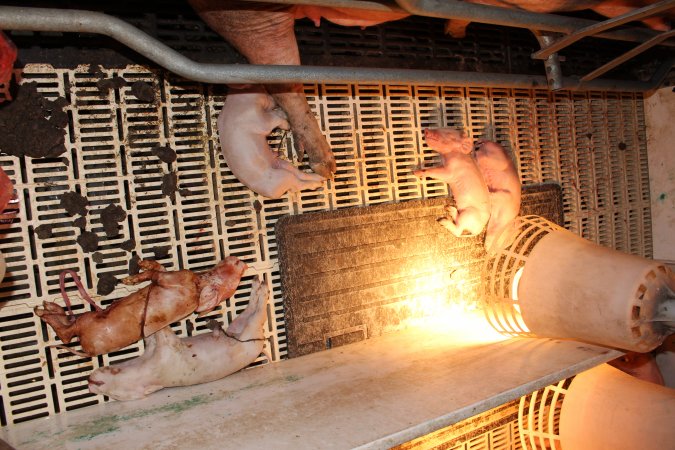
x=247, y=117
x=460, y=171
x=169, y=297
x=264, y=34
x=171, y=361
x=501, y=176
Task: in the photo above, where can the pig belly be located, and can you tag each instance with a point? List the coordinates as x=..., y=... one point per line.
x=348, y=17
x=170, y=361
x=207, y=358
x=467, y=184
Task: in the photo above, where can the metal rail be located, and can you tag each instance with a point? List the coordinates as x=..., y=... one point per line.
x=42, y=19
x=637, y=14
x=628, y=55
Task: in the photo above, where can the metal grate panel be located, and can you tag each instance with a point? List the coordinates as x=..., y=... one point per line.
x=376, y=133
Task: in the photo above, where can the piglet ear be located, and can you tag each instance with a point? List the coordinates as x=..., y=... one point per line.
x=208, y=299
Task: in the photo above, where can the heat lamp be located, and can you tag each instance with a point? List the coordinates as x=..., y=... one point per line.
x=549, y=282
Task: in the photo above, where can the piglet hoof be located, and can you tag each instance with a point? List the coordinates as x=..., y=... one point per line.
x=324, y=168
x=452, y=212
x=321, y=159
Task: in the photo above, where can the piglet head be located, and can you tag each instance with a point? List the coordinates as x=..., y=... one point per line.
x=448, y=140
x=121, y=383
x=219, y=283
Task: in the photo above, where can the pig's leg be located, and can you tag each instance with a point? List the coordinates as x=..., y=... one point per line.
x=138, y=278
x=288, y=181
x=456, y=28
x=311, y=178
x=437, y=173
x=305, y=128
x=467, y=223
x=249, y=324
x=149, y=264
x=55, y=316
x=266, y=36
x=452, y=212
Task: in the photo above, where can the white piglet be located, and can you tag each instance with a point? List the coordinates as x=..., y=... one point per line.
x=465, y=181
x=171, y=361
x=501, y=176
x=247, y=118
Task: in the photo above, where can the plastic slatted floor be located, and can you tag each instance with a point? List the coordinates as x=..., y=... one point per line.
x=592, y=143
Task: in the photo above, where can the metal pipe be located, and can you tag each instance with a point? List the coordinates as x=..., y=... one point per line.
x=551, y=63
x=570, y=39
x=453, y=9
x=628, y=55
x=40, y=19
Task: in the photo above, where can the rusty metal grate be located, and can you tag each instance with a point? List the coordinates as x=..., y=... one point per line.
x=375, y=131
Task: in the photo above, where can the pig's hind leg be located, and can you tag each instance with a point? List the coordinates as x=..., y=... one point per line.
x=249, y=324
x=286, y=177
x=465, y=223
x=308, y=179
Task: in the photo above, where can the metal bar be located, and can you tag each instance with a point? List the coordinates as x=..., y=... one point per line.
x=661, y=74
x=628, y=55
x=453, y=9
x=636, y=14
x=552, y=63
x=40, y=19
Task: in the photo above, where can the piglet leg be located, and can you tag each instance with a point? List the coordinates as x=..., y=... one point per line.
x=295, y=180
x=249, y=324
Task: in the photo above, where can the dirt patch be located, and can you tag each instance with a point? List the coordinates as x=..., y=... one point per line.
x=230, y=223
x=143, y=91
x=128, y=245
x=111, y=216
x=97, y=257
x=110, y=83
x=161, y=251
x=44, y=231
x=106, y=284
x=74, y=203
x=32, y=125
x=80, y=222
x=134, y=268
x=170, y=185
x=88, y=241
x=165, y=154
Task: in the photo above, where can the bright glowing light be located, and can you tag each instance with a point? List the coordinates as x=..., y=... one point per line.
x=516, y=282
x=457, y=319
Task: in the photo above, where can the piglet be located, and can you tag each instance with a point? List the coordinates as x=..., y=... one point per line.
x=501, y=176
x=171, y=361
x=247, y=118
x=460, y=171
